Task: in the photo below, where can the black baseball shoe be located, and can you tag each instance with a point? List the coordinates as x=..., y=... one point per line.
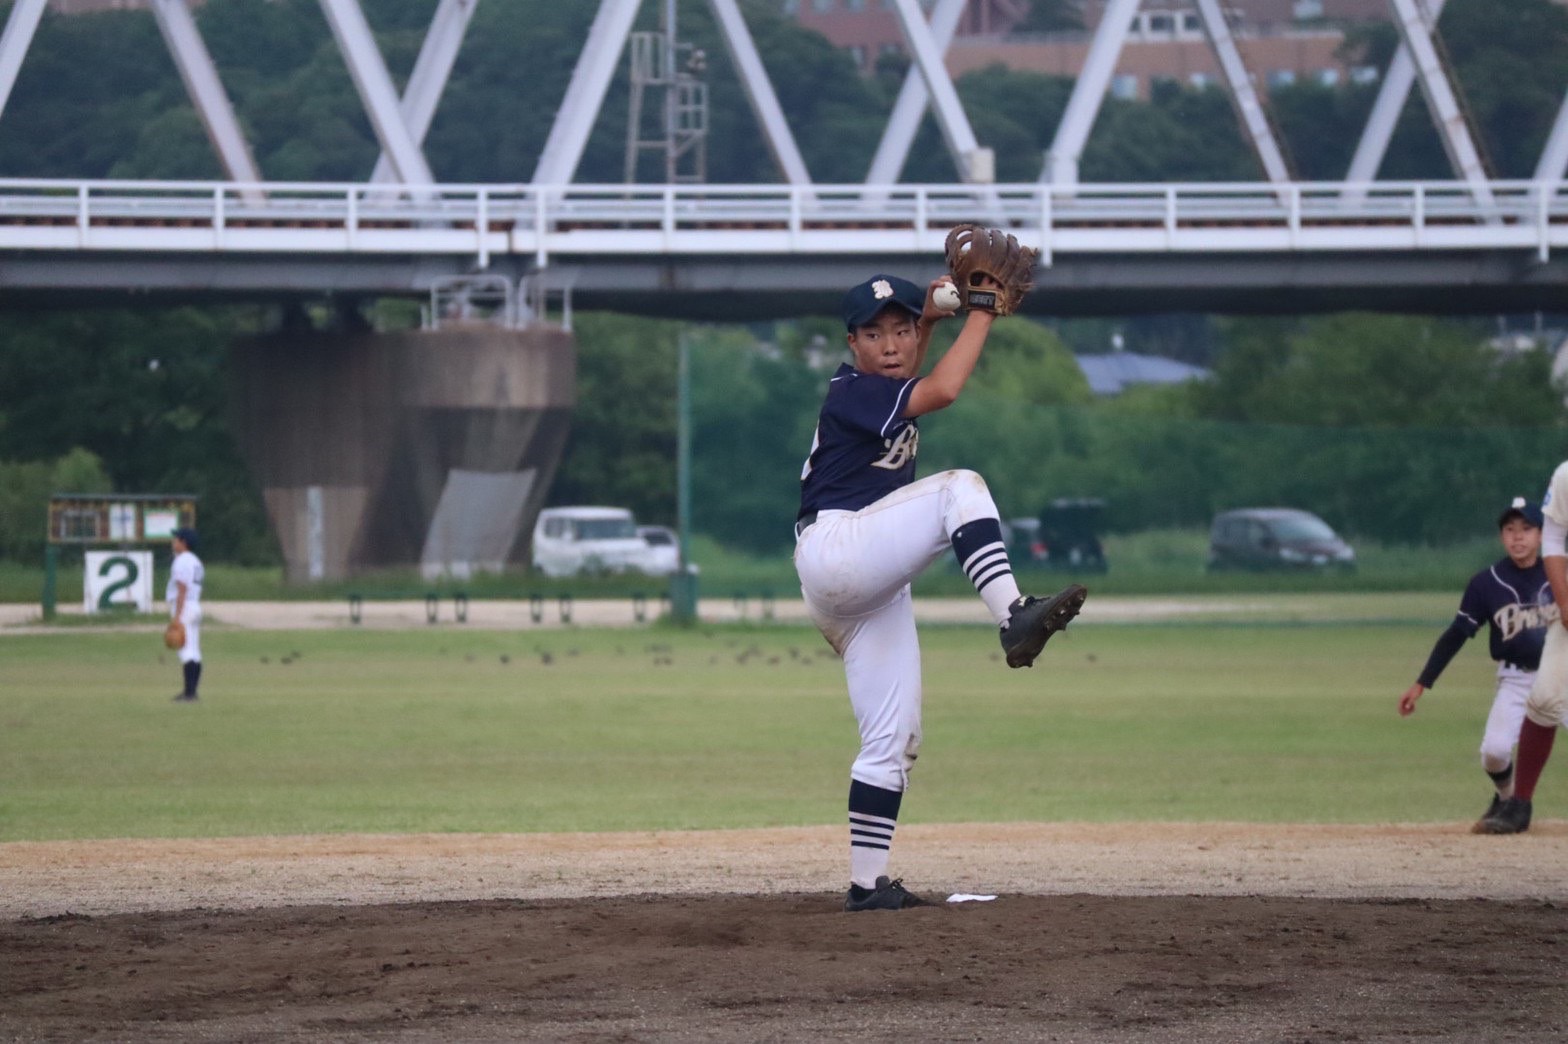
x=1031, y=621
x=1512, y=818
x=887, y=895
x=185, y=697
x=1479, y=827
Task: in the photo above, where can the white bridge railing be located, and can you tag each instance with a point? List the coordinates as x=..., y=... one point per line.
x=630, y=220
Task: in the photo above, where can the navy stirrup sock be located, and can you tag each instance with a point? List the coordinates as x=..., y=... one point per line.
x=981, y=551
x=873, y=812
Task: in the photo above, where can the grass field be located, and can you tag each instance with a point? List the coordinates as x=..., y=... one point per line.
x=453, y=730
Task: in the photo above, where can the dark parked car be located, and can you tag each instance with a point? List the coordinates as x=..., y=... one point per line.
x=1069, y=533
x=1276, y=538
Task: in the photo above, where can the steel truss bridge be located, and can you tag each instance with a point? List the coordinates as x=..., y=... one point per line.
x=744, y=251
x=1473, y=243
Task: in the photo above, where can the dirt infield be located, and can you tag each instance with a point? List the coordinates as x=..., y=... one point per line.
x=1157, y=932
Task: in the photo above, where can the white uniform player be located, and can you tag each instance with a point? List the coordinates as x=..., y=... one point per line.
x=1547, y=705
x=184, y=597
x=866, y=529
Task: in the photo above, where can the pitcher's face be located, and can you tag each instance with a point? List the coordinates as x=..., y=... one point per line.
x=887, y=344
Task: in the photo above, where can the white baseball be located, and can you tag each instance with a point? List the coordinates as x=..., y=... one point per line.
x=945, y=297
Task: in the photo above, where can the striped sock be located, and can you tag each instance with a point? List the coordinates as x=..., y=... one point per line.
x=873, y=813
x=983, y=555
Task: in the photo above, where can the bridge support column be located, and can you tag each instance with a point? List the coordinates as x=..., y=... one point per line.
x=429, y=448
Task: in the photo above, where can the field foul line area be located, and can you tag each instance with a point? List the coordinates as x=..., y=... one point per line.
x=1397, y=861
x=553, y=613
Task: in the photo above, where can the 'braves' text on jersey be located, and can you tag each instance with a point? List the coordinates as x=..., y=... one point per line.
x=864, y=448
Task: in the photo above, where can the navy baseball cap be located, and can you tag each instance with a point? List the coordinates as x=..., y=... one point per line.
x=188, y=536
x=1521, y=508
x=863, y=302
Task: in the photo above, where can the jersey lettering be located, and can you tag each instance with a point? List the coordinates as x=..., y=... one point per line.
x=1514, y=618
x=900, y=450
x=862, y=449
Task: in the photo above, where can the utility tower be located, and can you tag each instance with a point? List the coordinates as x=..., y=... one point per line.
x=672, y=72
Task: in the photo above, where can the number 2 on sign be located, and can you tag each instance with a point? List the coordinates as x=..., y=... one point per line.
x=106, y=599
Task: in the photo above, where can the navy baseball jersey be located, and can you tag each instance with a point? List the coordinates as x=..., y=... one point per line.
x=864, y=448
x=1515, y=604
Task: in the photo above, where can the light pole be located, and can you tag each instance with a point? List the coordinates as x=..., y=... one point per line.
x=683, y=584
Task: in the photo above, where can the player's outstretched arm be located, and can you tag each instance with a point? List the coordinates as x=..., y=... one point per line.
x=1444, y=649
x=939, y=389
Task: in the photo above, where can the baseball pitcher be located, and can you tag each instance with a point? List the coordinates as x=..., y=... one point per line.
x=866, y=528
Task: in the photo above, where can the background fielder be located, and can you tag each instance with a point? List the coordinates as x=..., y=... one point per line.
x=866, y=529
x=1513, y=599
x=184, y=597
x=1547, y=704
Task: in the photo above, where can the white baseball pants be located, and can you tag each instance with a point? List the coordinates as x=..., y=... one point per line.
x=1548, y=702
x=1505, y=717
x=855, y=569
x=190, y=652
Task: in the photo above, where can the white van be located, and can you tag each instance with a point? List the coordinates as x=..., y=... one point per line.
x=573, y=540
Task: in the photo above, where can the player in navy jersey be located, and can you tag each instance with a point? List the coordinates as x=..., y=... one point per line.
x=1546, y=709
x=866, y=528
x=1514, y=600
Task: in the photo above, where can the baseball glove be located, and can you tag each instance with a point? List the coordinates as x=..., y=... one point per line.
x=174, y=635
x=992, y=269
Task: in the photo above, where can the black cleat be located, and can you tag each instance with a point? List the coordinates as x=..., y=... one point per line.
x=1033, y=621
x=1512, y=818
x=185, y=697
x=887, y=895
x=1491, y=812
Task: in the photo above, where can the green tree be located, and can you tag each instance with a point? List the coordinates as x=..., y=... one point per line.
x=60, y=123
x=621, y=450
x=25, y=489
x=147, y=393
x=837, y=129
x=1320, y=125
x=1026, y=361
x=754, y=411
x=1181, y=134
x=1364, y=370
x=1398, y=426
x=991, y=428
x=1512, y=63
x=1015, y=114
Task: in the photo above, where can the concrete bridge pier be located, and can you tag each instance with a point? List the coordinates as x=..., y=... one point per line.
x=427, y=448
